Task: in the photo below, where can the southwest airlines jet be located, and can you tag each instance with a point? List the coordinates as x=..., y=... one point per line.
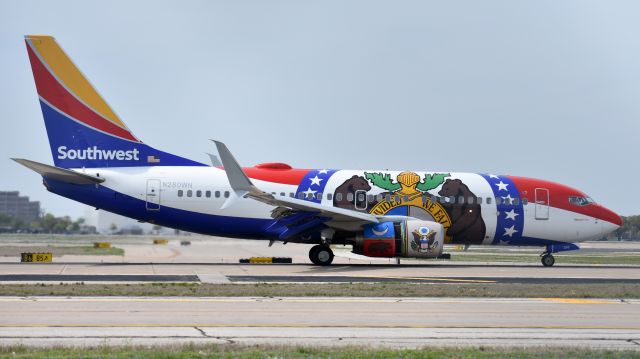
x=394, y=214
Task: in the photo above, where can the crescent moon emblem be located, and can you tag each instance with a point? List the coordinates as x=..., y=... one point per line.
x=380, y=233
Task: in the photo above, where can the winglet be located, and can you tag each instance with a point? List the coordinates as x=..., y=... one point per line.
x=240, y=183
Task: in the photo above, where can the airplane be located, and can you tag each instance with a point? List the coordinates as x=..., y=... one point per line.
x=98, y=161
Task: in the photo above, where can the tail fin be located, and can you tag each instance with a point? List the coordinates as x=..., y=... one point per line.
x=83, y=130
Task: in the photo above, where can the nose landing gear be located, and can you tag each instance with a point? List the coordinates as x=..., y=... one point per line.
x=321, y=255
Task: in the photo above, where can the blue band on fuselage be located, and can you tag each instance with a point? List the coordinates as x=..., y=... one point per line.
x=510, y=224
x=107, y=199
x=313, y=184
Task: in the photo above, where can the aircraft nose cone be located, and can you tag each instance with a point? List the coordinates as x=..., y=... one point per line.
x=610, y=221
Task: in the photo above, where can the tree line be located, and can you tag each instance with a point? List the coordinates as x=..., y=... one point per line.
x=47, y=223
x=630, y=228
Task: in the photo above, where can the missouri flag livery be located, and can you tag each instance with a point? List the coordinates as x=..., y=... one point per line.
x=97, y=160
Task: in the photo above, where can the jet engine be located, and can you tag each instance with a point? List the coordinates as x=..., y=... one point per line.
x=410, y=238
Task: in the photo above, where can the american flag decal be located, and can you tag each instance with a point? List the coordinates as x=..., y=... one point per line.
x=153, y=159
x=510, y=223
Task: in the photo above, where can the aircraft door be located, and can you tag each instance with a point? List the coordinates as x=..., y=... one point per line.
x=542, y=203
x=360, y=200
x=153, y=195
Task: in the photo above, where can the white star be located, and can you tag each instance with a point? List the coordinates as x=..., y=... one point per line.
x=502, y=186
x=511, y=215
x=309, y=193
x=493, y=176
x=323, y=171
x=315, y=180
x=509, y=231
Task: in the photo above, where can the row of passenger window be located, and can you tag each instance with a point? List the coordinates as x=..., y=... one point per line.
x=397, y=198
x=198, y=193
x=371, y=198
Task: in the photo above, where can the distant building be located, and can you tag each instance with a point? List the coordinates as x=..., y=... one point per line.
x=19, y=207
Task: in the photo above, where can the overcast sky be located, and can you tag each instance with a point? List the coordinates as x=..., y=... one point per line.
x=546, y=89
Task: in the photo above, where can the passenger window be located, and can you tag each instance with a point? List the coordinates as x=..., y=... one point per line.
x=525, y=201
x=282, y=194
x=397, y=198
x=452, y=199
x=461, y=200
x=329, y=196
x=292, y=195
x=516, y=201
x=507, y=201
x=198, y=193
x=319, y=196
x=301, y=195
x=371, y=198
x=217, y=194
x=479, y=199
x=207, y=194
x=338, y=196
x=406, y=198
x=488, y=200
x=180, y=193
x=189, y=193
x=226, y=194
x=361, y=197
x=471, y=200
x=379, y=197
x=498, y=200
x=444, y=199
x=388, y=198
x=350, y=197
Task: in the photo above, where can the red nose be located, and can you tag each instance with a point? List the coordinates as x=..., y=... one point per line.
x=609, y=216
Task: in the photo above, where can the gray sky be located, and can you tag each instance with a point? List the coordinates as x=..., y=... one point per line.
x=546, y=89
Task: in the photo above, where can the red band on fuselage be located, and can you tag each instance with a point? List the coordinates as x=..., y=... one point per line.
x=559, y=198
x=290, y=177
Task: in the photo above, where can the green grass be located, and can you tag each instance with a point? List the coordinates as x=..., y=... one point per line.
x=329, y=290
x=236, y=351
x=9, y=251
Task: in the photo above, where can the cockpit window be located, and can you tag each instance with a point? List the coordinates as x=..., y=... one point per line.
x=581, y=201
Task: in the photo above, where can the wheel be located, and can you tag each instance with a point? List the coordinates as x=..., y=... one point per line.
x=321, y=255
x=548, y=260
x=312, y=254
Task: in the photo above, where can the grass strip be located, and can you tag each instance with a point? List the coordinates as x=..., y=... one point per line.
x=237, y=351
x=389, y=289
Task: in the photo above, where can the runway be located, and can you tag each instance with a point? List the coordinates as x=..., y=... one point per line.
x=387, y=322
x=303, y=273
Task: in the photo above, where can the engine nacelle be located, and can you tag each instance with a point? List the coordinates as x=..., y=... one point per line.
x=410, y=238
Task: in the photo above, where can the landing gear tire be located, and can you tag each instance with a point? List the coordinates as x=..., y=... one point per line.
x=321, y=255
x=548, y=260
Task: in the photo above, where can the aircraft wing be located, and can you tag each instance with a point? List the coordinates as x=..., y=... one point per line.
x=338, y=218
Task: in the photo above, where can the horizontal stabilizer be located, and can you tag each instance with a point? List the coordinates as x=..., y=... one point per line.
x=59, y=174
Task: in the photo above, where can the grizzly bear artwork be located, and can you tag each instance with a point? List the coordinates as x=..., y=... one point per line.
x=467, y=224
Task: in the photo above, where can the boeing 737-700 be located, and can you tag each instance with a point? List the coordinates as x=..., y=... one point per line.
x=394, y=214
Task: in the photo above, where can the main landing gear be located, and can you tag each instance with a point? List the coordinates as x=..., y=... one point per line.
x=321, y=255
x=547, y=259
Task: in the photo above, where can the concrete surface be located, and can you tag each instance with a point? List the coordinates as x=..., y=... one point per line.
x=388, y=322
